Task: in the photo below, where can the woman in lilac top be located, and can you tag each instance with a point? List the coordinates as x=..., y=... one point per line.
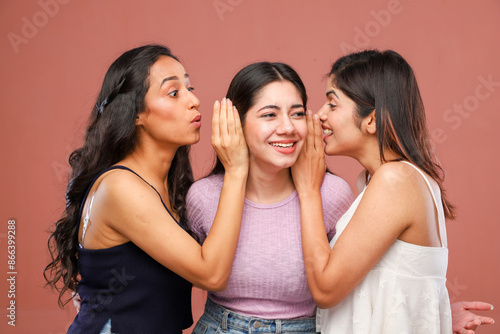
x=267, y=290
x=268, y=279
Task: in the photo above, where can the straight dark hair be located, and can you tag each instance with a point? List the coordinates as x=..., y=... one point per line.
x=249, y=82
x=110, y=136
x=385, y=82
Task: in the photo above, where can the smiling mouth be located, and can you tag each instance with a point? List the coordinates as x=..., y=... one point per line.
x=327, y=131
x=282, y=145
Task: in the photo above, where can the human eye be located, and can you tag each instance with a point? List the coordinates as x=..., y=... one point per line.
x=268, y=115
x=332, y=106
x=173, y=93
x=190, y=89
x=299, y=114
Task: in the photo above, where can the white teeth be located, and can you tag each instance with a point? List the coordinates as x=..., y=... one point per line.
x=282, y=145
x=327, y=131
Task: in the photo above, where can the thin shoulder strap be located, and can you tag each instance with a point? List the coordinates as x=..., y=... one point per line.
x=90, y=187
x=438, y=205
x=166, y=208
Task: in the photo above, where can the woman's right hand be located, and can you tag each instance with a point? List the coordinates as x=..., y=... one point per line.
x=228, y=139
x=309, y=170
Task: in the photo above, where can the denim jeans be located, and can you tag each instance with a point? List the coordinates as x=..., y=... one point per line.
x=219, y=320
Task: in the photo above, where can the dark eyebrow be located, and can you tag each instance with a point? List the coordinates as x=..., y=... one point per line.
x=332, y=92
x=271, y=106
x=174, y=77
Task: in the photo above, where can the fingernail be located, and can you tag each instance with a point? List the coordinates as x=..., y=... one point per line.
x=223, y=100
x=216, y=104
x=492, y=307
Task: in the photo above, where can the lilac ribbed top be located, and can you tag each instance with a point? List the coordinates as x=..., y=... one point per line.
x=268, y=277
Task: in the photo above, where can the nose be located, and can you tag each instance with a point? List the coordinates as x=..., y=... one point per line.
x=323, y=112
x=194, y=102
x=285, y=127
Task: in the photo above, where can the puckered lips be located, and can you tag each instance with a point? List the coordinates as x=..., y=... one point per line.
x=284, y=146
x=197, y=121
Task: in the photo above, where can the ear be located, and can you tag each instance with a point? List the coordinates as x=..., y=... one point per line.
x=139, y=120
x=371, y=123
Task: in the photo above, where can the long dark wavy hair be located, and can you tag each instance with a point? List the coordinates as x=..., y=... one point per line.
x=109, y=138
x=248, y=83
x=385, y=82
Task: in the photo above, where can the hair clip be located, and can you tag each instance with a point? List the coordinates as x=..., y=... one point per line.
x=103, y=105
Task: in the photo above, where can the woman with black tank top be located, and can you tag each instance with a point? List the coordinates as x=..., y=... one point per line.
x=122, y=241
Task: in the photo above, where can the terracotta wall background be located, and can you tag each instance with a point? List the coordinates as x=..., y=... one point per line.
x=54, y=54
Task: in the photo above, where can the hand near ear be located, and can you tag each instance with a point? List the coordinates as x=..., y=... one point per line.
x=228, y=139
x=309, y=169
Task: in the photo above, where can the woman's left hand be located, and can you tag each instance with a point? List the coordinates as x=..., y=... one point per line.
x=466, y=322
x=309, y=169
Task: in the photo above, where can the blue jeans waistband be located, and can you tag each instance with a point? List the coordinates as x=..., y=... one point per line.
x=233, y=320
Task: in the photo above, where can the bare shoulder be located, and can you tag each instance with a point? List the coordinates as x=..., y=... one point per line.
x=401, y=184
x=122, y=191
x=119, y=183
x=396, y=174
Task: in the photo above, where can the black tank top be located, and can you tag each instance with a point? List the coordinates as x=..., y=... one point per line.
x=126, y=285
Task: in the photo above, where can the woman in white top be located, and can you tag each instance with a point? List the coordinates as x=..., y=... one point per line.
x=386, y=272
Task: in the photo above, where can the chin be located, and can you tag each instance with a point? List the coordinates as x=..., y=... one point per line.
x=331, y=150
x=285, y=164
x=195, y=140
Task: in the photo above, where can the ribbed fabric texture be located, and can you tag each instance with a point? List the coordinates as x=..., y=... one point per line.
x=268, y=276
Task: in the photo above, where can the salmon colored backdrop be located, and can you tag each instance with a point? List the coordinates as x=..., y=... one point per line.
x=54, y=54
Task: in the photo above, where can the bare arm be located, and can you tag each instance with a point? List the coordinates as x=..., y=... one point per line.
x=134, y=211
x=377, y=223
x=308, y=173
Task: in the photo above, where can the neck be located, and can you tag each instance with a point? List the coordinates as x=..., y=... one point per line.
x=369, y=157
x=152, y=162
x=268, y=187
